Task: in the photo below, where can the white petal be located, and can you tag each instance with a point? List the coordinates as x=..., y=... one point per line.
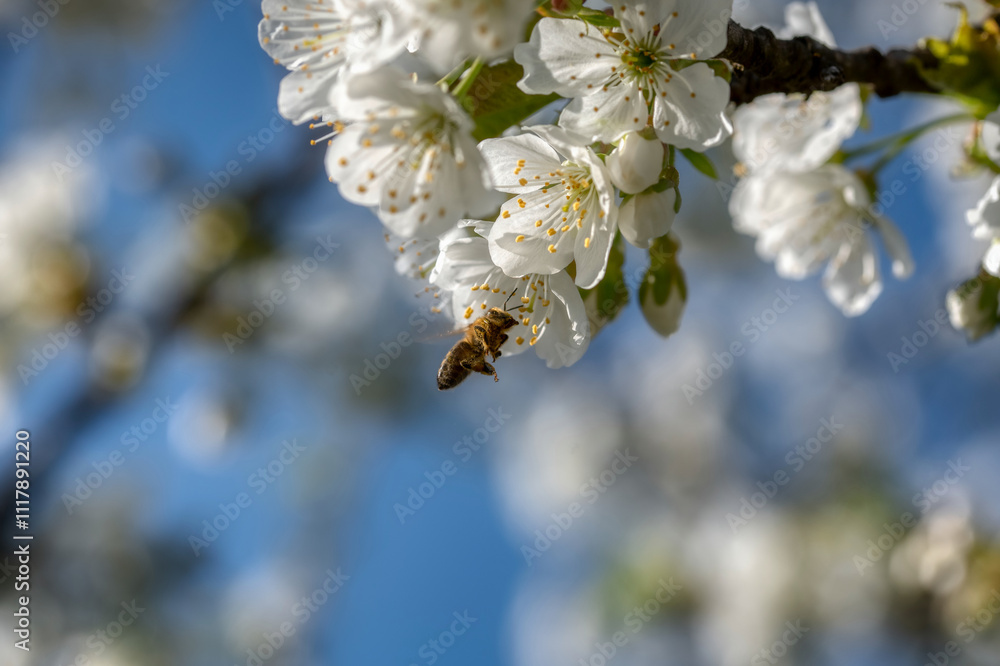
x=692, y=113
x=790, y=133
x=463, y=262
x=350, y=162
x=897, y=247
x=593, y=245
x=305, y=96
x=566, y=336
x=700, y=27
x=852, y=280
x=504, y=159
x=985, y=217
x=805, y=19
x=565, y=56
x=519, y=245
x=645, y=217
x=991, y=262
x=635, y=164
x=606, y=115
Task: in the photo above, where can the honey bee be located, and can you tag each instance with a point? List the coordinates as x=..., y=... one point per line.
x=484, y=337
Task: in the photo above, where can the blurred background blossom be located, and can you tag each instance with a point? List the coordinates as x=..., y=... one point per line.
x=201, y=452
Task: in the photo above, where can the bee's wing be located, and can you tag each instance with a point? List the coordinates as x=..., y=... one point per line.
x=442, y=334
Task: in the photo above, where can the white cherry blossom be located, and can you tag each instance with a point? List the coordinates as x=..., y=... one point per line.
x=804, y=220
x=552, y=318
x=645, y=74
x=448, y=30
x=409, y=153
x=322, y=42
x=565, y=207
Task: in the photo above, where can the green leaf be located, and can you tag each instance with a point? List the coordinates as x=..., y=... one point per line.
x=606, y=300
x=495, y=102
x=700, y=162
x=663, y=292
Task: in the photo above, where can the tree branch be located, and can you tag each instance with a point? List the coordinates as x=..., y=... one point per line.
x=804, y=65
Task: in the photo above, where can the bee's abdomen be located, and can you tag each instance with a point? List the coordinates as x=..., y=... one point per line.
x=451, y=373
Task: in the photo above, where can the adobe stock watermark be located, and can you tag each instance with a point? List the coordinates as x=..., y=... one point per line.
x=299, y=614
x=130, y=440
x=374, y=366
x=753, y=329
x=31, y=25
x=899, y=16
x=796, y=459
x=121, y=108
x=893, y=533
x=968, y=629
x=259, y=481
x=634, y=621
x=248, y=149
x=915, y=168
x=86, y=313
x=264, y=308
x=463, y=451
x=912, y=344
x=590, y=492
x=432, y=650
x=98, y=642
x=773, y=653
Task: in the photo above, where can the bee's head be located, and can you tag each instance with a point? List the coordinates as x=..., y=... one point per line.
x=502, y=318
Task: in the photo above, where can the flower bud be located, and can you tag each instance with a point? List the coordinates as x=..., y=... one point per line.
x=636, y=163
x=972, y=307
x=647, y=216
x=663, y=292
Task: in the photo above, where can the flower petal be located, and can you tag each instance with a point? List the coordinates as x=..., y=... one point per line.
x=991, y=262
x=699, y=28
x=520, y=245
x=519, y=164
x=852, y=281
x=805, y=19
x=690, y=108
x=897, y=247
x=568, y=57
x=647, y=216
x=985, y=217
x=608, y=114
x=566, y=335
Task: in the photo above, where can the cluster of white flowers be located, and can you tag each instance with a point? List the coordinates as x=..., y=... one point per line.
x=388, y=78
x=391, y=80
x=804, y=210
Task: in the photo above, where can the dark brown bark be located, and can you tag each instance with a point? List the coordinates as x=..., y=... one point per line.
x=766, y=64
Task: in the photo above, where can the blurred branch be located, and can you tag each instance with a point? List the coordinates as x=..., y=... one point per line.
x=56, y=437
x=767, y=64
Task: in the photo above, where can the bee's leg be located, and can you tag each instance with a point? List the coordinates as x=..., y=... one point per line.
x=482, y=367
x=502, y=339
